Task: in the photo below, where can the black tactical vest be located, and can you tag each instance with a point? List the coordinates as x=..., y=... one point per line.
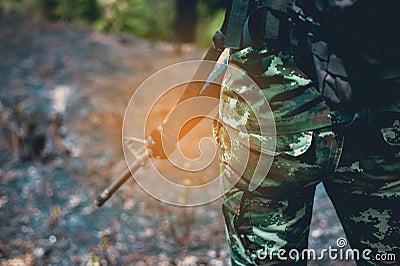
x=355, y=50
x=349, y=47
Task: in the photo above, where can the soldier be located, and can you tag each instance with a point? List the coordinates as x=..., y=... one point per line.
x=343, y=130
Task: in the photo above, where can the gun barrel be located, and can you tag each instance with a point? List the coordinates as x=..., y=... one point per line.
x=110, y=190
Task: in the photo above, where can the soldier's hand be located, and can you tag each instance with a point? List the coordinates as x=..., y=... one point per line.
x=154, y=145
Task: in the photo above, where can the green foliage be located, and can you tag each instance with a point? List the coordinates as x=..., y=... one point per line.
x=88, y=10
x=152, y=18
x=68, y=9
x=210, y=7
x=19, y=6
x=210, y=20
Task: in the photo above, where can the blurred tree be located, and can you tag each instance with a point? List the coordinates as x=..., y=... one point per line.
x=186, y=20
x=211, y=7
x=68, y=9
x=125, y=16
x=211, y=14
x=180, y=20
x=18, y=6
x=190, y=12
x=145, y=18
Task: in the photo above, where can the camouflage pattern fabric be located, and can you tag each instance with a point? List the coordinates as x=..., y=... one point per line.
x=359, y=168
x=297, y=105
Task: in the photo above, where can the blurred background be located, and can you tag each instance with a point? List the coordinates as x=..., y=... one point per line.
x=168, y=20
x=67, y=71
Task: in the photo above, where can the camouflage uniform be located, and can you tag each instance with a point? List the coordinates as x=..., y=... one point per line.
x=359, y=167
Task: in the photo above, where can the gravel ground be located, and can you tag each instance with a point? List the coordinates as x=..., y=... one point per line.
x=62, y=99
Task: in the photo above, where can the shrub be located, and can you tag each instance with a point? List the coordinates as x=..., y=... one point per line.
x=152, y=18
x=68, y=9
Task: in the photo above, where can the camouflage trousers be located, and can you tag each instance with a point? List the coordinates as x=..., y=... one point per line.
x=360, y=170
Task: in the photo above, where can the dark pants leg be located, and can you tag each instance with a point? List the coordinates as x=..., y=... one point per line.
x=365, y=191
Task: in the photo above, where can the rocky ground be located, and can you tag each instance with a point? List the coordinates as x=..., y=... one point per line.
x=63, y=92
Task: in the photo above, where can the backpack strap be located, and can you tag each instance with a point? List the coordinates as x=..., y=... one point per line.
x=237, y=18
x=275, y=17
x=252, y=21
x=253, y=31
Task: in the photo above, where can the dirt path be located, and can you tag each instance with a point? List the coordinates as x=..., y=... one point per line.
x=63, y=92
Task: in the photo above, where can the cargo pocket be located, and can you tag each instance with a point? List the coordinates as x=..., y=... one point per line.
x=294, y=144
x=391, y=135
x=292, y=165
x=299, y=143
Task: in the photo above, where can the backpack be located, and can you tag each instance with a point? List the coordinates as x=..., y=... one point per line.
x=348, y=47
x=354, y=50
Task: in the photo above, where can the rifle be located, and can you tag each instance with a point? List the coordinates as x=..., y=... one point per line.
x=153, y=142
